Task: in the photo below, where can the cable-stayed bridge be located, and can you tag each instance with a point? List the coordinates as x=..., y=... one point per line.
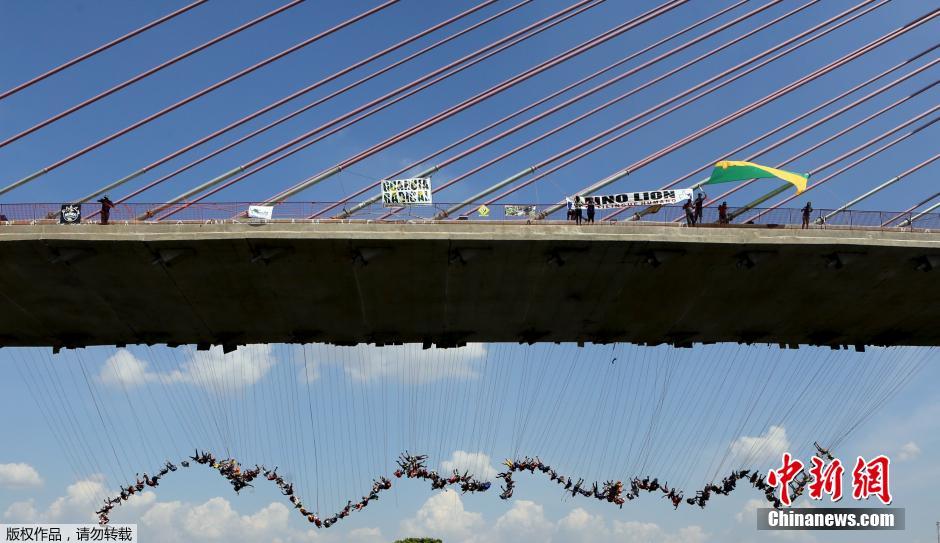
x=500, y=100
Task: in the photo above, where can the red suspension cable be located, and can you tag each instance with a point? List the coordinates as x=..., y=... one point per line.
x=100, y=49
x=198, y=95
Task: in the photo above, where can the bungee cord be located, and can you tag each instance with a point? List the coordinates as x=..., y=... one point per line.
x=100, y=49
x=516, y=398
x=352, y=67
x=193, y=97
x=415, y=467
x=147, y=73
x=411, y=467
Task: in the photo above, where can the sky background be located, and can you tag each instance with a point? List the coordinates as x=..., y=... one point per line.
x=332, y=419
x=40, y=35
x=365, y=405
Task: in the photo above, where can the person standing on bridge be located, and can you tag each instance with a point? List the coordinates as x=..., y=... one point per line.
x=807, y=210
x=590, y=211
x=689, y=215
x=723, y=213
x=699, y=202
x=578, y=212
x=106, y=205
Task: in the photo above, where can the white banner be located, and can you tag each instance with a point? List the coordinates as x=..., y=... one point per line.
x=406, y=192
x=645, y=198
x=260, y=212
x=520, y=211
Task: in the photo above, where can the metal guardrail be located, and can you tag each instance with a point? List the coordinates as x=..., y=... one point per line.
x=136, y=213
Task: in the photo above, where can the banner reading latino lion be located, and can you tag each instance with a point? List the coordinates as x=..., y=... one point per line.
x=406, y=192
x=646, y=198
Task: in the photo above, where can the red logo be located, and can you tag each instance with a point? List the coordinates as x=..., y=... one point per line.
x=868, y=478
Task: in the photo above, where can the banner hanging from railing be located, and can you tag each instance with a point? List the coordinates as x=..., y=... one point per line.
x=261, y=212
x=406, y=192
x=70, y=214
x=631, y=199
x=520, y=211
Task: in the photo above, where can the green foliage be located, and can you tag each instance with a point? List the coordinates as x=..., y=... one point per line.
x=419, y=540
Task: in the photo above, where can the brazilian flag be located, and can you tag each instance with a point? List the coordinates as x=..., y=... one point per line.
x=729, y=171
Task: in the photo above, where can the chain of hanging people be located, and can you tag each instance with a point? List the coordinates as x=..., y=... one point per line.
x=415, y=467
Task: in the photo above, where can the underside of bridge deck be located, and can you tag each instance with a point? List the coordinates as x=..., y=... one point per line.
x=452, y=283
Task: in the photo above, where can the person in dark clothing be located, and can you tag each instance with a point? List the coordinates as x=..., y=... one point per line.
x=723, y=213
x=578, y=212
x=699, y=202
x=106, y=205
x=807, y=210
x=590, y=211
x=689, y=215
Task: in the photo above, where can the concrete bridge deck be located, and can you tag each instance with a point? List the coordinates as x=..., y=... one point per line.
x=450, y=283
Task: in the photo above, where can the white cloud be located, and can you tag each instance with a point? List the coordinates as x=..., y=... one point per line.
x=123, y=368
x=767, y=447
x=217, y=520
x=910, y=451
x=408, y=363
x=210, y=369
x=81, y=500
x=524, y=521
x=365, y=535
x=240, y=368
x=648, y=532
x=19, y=475
x=478, y=464
x=750, y=509
x=579, y=519
x=443, y=516
x=22, y=512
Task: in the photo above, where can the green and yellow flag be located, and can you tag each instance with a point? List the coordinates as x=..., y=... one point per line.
x=728, y=171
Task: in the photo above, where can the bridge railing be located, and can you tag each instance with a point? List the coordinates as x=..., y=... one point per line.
x=143, y=213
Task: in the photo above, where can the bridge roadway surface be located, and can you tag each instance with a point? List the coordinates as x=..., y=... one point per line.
x=450, y=283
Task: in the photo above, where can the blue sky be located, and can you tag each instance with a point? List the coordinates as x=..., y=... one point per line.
x=363, y=419
x=334, y=418
x=37, y=36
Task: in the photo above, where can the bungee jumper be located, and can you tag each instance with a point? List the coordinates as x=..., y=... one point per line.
x=414, y=467
x=823, y=452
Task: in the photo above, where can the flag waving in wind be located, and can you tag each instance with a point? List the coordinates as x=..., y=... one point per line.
x=728, y=171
